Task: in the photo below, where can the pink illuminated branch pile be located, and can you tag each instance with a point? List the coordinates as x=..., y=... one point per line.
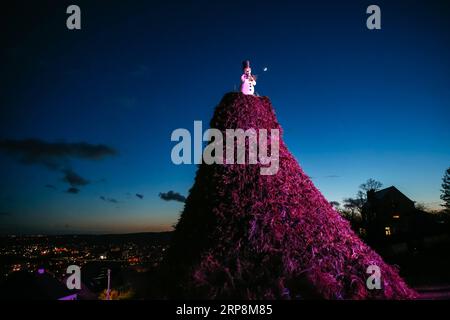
x=249, y=236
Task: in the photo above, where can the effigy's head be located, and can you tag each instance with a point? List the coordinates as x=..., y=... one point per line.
x=246, y=67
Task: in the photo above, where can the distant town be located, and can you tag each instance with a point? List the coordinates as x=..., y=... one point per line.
x=39, y=262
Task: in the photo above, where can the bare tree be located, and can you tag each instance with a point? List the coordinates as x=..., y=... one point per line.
x=370, y=184
x=421, y=206
x=445, y=196
x=335, y=204
x=353, y=206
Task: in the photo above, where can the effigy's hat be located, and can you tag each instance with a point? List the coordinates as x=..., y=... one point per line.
x=245, y=64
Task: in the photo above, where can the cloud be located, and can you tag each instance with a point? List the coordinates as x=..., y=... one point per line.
x=74, y=179
x=140, y=196
x=112, y=200
x=172, y=195
x=50, y=186
x=53, y=155
x=56, y=156
x=73, y=190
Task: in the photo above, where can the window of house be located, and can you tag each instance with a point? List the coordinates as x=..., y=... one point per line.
x=387, y=231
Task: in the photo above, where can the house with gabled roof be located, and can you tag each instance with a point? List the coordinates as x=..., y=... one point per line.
x=390, y=216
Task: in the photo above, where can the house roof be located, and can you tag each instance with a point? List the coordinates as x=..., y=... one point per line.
x=380, y=194
x=28, y=286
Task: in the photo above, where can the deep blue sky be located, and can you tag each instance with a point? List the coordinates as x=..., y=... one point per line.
x=354, y=103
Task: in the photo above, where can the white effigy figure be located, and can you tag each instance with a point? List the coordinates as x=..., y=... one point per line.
x=248, y=81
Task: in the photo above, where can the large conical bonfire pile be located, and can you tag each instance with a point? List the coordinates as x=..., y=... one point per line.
x=250, y=236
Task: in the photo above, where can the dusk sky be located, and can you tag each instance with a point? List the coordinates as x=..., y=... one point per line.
x=103, y=101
